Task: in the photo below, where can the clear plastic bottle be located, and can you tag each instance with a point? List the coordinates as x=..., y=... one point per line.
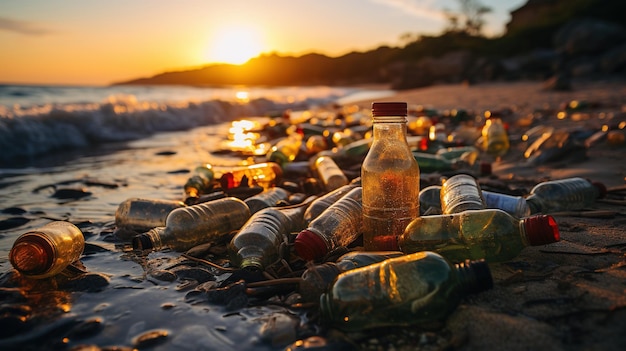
x=317, y=279
x=339, y=225
x=46, y=251
x=408, y=290
x=200, y=182
x=430, y=200
x=286, y=149
x=139, y=214
x=193, y=225
x=489, y=234
x=265, y=174
x=320, y=204
x=460, y=193
x=267, y=198
x=495, y=137
x=564, y=195
x=261, y=240
x=390, y=177
x=329, y=173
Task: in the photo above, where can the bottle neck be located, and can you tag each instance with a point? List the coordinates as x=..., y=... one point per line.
x=150, y=240
x=389, y=127
x=474, y=276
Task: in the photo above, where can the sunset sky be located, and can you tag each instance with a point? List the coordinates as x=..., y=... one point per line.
x=82, y=42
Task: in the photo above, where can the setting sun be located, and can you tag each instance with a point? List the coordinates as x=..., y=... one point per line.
x=234, y=44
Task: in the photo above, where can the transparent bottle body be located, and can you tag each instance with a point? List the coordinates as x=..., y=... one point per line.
x=329, y=173
x=491, y=234
x=260, y=240
x=200, y=182
x=562, y=195
x=267, y=198
x=286, y=149
x=320, y=204
x=407, y=290
x=495, y=137
x=460, y=193
x=46, y=251
x=143, y=214
x=390, y=178
x=194, y=225
x=264, y=174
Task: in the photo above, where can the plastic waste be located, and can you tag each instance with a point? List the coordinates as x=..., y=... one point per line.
x=460, y=193
x=193, y=225
x=286, y=149
x=321, y=203
x=139, y=214
x=200, y=182
x=46, y=251
x=331, y=175
x=564, y=195
x=339, y=225
x=489, y=234
x=265, y=174
x=408, y=290
x=495, y=138
x=430, y=202
x=262, y=240
x=267, y=198
x=390, y=177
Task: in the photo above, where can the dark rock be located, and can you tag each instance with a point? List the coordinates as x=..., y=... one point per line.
x=588, y=36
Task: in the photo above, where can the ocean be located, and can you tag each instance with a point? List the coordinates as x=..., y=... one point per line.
x=36, y=120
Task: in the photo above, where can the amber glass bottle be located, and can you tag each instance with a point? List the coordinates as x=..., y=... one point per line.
x=390, y=177
x=408, y=290
x=46, y=251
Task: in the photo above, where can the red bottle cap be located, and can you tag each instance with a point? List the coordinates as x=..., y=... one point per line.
x=310, y=246
x=389, y=109
x=32, y=255
x=541, y=230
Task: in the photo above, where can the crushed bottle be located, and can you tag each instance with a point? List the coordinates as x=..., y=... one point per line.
x=489, y=234
x=339, y=225
x=193, y=225
x=415, y=289
x=46, y=251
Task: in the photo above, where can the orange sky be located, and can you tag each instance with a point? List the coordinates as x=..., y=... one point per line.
x=99, y=42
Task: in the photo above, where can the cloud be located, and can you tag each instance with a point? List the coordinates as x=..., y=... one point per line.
x=22, y=27
x=421, y=9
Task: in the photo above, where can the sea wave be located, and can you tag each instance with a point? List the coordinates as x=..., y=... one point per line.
x=26, y=133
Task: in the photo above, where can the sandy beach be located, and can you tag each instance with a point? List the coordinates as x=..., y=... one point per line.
x=569, y=295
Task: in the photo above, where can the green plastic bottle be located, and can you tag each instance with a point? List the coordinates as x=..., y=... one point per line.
x=491, y=234
x=414, y=289
x=200, y=182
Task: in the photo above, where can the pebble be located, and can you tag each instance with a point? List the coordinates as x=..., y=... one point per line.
x=150, y=338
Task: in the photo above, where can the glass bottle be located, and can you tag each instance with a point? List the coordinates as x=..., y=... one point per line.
x=320, y=204
x=200, y=182
x=390, y=177
x=564, y=195
x=193, y=225
x=489, y=234
x=265, y=174
x=267, y=198
x=261, y=240
x=339, y=225
x=495, y=137
x=329, y=173
x=139, y=214
x=460, y=193
x=317, y=279
x=46, y=251
x=408, y=290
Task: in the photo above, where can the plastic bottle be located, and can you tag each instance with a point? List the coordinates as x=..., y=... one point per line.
x=317, y=279
x=408, y=290
x=139, y=214
x=430, y=202
x=261, y=240
x=437, y=163
x=200, y=182
x=320, y=204
x=339, y=225
x=193, y=225
x=460, y=193
x=491, y=234
x=46, y=251
x=564, y=195
x=390, y=177
x=329, y=173
x=286, y=149
x=265, y=174
x=495, y=137
x=267, y=198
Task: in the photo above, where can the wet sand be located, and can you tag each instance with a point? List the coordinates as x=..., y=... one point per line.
x=568, y=295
